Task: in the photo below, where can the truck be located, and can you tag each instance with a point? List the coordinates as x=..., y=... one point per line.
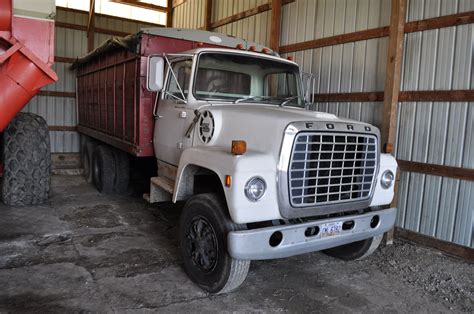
x=26, y=57
x=228, y=122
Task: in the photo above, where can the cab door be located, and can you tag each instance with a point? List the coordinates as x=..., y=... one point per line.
x=170, y=115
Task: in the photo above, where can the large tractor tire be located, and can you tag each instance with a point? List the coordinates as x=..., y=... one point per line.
x=27, y=161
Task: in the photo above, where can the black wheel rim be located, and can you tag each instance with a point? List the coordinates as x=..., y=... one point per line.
x=202, y=245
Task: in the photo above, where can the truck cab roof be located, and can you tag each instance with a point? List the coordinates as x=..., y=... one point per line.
x=238, y=51
x=205, y=37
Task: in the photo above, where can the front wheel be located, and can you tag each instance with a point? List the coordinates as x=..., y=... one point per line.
x=356, y=250
x=204, y=225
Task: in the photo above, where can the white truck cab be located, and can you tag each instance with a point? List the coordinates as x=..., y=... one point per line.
x=263, y=177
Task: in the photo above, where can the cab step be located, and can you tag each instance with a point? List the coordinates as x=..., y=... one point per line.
x=161, y=190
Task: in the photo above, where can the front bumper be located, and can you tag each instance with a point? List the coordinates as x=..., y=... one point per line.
x=255, y=244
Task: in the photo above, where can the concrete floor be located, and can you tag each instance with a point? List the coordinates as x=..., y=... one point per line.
x=93, y=252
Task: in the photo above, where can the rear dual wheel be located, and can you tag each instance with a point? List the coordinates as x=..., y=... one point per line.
x=103, y=169
x=87, y=156
x=108, y=168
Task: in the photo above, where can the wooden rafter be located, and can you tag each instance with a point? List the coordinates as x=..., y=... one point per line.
x=144, y=5
x=117, y=18
x=91, y=26
x=393, y=71
x=437, y=95
x=440, y=22
x=463, y=95
x=336, y=40
x=84, y=28
x=176, y=3
x=275, y=26
x=392, y=84
x=169, y=14
x=208, y=15
x=57, y=94
x=59, y=59
x=245, y=14
x=349, y=97
x=450, y=248
x=437, y=170
x=410, y=27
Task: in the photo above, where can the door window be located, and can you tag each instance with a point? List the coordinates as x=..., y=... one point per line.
x=182, y=72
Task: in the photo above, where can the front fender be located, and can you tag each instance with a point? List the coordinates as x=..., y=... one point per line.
x=241, y=168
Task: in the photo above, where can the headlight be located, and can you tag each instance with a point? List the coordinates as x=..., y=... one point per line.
x=255, y=188
x=387, y=179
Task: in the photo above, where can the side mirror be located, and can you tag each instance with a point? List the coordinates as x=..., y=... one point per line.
x=308, y=86
x=155, y=77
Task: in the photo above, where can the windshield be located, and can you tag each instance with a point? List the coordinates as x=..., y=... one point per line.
x=238, y=78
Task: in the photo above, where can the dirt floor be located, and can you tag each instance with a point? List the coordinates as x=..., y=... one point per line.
x=84, y=251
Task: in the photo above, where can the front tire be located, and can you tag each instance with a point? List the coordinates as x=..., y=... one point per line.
x=356, y=250
x=27, y=161
x=204, y=225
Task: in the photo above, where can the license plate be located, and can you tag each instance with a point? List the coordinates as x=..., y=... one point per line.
x=331, y=229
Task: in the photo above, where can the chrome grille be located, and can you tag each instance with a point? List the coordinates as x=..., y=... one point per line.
x=330, y=168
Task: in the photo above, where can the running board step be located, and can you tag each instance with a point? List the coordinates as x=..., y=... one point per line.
x=161, y=190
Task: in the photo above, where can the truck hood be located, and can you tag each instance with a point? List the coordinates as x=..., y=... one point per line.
x=261, y=126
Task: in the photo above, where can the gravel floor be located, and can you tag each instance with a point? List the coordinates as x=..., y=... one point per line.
x=84, y=251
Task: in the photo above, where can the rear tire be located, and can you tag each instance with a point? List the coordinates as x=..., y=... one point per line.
x=204, y=225
x=87, y=157
x=27, y=161
x=122, y=171
x=104, y=169
x=356, y=250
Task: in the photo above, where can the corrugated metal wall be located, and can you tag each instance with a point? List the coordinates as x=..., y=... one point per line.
x=189, y=15
x=437, y=132
x=71, y=43
x=255, y=28
x=352, y=67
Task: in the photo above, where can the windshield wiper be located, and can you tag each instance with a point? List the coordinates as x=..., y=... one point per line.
x=289, y=99
x=251, y=98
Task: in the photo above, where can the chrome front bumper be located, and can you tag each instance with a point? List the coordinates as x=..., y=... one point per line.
x=255, y=244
